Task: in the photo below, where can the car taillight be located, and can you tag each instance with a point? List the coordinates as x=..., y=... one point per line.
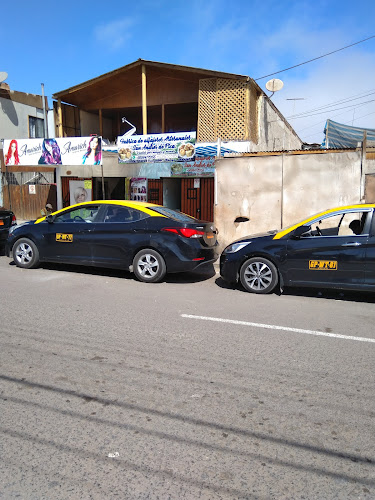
x=186, y=232
x=14, y=220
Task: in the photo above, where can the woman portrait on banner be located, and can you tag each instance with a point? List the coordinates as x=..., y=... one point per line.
x=11, y=157
x=80, y=194
x=93, y=154
x=51, y=154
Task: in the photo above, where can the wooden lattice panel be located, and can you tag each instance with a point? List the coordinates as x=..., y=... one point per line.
x=207, y=110
x=223, y=110
x=231, y=109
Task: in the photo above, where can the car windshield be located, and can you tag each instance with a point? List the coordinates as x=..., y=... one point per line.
x=173, y=214
x=312, y=217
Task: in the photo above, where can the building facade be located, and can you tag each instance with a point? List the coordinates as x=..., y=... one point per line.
x=25, y=189
x=228, y=113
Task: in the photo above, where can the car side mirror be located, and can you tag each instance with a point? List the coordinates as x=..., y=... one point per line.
x=50, y=218
x=300, y=231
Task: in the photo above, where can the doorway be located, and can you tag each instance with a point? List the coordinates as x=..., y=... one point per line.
x=172, y=193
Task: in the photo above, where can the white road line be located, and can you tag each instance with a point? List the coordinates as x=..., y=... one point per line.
x=276, y=327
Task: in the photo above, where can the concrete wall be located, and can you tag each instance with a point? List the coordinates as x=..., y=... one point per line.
x=276, y=191
x=275, y=133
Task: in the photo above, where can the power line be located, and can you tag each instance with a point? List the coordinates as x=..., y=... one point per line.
x=333, y=116
x=335, y=103
x=332, y=110
x=315, y=58
x=323, y=122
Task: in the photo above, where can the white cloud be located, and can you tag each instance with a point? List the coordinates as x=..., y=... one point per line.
x=114, y=35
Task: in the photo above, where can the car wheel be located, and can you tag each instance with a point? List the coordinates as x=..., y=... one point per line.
x=25, y=253
x=149, y=266
x=259, y=275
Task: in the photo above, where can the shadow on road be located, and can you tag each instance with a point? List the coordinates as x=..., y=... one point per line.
x=205, y=273
x=318, y=293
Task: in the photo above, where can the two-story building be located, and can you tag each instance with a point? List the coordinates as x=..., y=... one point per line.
x=25, y=189
x=229, y=114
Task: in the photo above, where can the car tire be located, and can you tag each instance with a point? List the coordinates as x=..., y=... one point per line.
x=259, y=275
x=25, y=253
x=149, y=266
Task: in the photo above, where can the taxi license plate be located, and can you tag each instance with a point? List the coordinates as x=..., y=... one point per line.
x=323, y=265
x=65, y=238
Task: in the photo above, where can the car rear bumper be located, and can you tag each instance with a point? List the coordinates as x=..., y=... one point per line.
x=4, y=234
x=177, y=262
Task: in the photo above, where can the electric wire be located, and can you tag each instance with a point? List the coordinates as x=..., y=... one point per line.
x=332, y=110
x=335, y=103
x=323, y=123
x=315, y=58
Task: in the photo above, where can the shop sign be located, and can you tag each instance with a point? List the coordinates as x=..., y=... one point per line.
x=57, y=151
x=202, y=167
x=178, y=147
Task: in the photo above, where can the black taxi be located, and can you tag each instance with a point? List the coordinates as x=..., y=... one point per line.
x=147, y=239
x=332, y=249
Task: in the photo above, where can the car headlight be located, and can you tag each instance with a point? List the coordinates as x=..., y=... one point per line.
x=234, y=247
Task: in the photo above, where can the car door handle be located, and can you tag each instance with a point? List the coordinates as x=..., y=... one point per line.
x=352, y=244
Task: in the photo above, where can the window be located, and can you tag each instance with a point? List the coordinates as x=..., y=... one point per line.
x=81, y=214
x=123, y=214
x=173, y=214
x=341, y=224
x=36, y=127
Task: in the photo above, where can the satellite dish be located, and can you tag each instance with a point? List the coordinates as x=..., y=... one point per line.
x=3, y=76
x=274, y=85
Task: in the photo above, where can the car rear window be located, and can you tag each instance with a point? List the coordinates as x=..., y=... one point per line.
x=173, y=214
x=116, y=213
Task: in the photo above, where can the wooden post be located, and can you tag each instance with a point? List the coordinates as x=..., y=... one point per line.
x=144, y=100
x=59, y=118
x=163, y=118
x=100, y=123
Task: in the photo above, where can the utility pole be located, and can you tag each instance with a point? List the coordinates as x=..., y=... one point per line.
x=45, y=114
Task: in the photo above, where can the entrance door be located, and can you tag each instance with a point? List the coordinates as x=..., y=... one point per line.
x=155, y=191
x=197, y=198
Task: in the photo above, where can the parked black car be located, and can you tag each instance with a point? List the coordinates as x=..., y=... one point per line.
x=7, y=219
x=147, y=239
x=332, y=249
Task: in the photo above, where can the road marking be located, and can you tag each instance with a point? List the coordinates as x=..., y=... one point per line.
x=276, y=327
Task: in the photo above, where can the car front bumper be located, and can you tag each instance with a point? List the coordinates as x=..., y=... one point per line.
x=229, y=265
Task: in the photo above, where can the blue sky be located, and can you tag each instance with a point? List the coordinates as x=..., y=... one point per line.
x=67, y=43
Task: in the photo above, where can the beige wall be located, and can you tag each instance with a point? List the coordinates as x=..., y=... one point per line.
x=276, y=191
x=275, y=133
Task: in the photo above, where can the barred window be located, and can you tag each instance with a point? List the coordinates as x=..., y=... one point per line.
x=36, y=127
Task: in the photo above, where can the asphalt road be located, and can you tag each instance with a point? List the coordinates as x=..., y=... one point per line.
x=187, y=389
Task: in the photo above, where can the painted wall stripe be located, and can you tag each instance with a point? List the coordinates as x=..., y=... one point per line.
x=276, y=327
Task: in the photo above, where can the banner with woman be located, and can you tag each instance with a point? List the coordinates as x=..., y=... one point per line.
x=54, y=151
